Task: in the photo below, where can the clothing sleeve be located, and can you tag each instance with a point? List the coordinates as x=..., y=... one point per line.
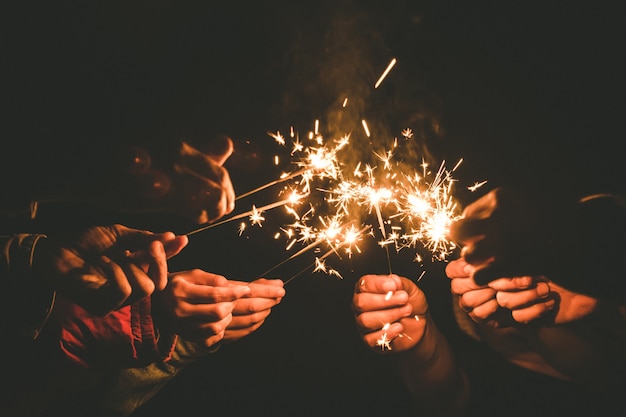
x=124, y=338
x=588, y=253
x=26, y=301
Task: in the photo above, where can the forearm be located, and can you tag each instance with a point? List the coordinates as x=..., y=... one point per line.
x=595, y=346
x=431, y=374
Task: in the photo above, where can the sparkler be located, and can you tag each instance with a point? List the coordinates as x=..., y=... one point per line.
x=411, y=208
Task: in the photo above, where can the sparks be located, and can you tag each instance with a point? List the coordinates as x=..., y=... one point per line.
x=367, y=130
x=384, y=74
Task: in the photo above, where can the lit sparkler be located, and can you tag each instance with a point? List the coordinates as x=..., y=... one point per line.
x=410, y=208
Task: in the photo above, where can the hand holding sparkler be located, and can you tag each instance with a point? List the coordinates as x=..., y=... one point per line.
x=518, y=300
x=504, y=236
x=206, y=190
x=251, y=310
x=390, y=311
x=510, y=234
x=392, y=316
x=198, y=306
x=192, y=182
x=102, y=268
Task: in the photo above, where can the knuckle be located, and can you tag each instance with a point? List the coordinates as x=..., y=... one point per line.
x=223, y=310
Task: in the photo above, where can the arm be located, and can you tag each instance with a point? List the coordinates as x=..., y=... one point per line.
x=577, y=336
x=186, y=180
x=100, y=268
x=393, y=308
x=509, y=234
x=195, y=305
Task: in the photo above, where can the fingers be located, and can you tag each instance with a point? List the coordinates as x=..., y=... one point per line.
x=507, y=300
x=220, y=198
x=272, y=289
x=376, y=338
x=378, y=292
x=101, y=292
x=201, y=277
x=484, y=311
x=157, y=269
x=480, y=250
x=462, y=285
x=254, y=306
x=207, y=199
x=153, y=258
x=206, y=294
x=485, y=274
x=220, y=149
x=175, y=245
x=207, y=188
x=207, y=332
x=387, y=311
x=528, y=304
x=135, y=243
x=512, y=284
x=374, y=319
x=207, y=312
x=534, y=312
x=459, y=269
x=120, y=284
x=467, y=230
x=379, y=283
x=379, y=299
x=235, y=332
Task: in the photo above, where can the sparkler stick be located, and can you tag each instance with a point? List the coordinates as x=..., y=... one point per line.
x=317, y=262
x=271, y=183
x=384, y=234
x=346, y=242
x=242, y=215
x=300, y=252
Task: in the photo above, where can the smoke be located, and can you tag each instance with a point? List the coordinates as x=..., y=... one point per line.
x=339, y=49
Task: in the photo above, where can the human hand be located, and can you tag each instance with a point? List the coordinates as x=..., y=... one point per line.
x=103, y=268
x=251, y=310
x=519, y=300
x=503, y=236
x=198, y=305
x=207, y=191
x=197, y=185
x=478, y=301
x=389, y=308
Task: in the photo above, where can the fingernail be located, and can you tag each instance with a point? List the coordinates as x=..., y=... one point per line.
x=388, y=286
x=543, y=289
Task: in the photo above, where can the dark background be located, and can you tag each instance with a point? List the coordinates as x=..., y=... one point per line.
x=528, y=93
